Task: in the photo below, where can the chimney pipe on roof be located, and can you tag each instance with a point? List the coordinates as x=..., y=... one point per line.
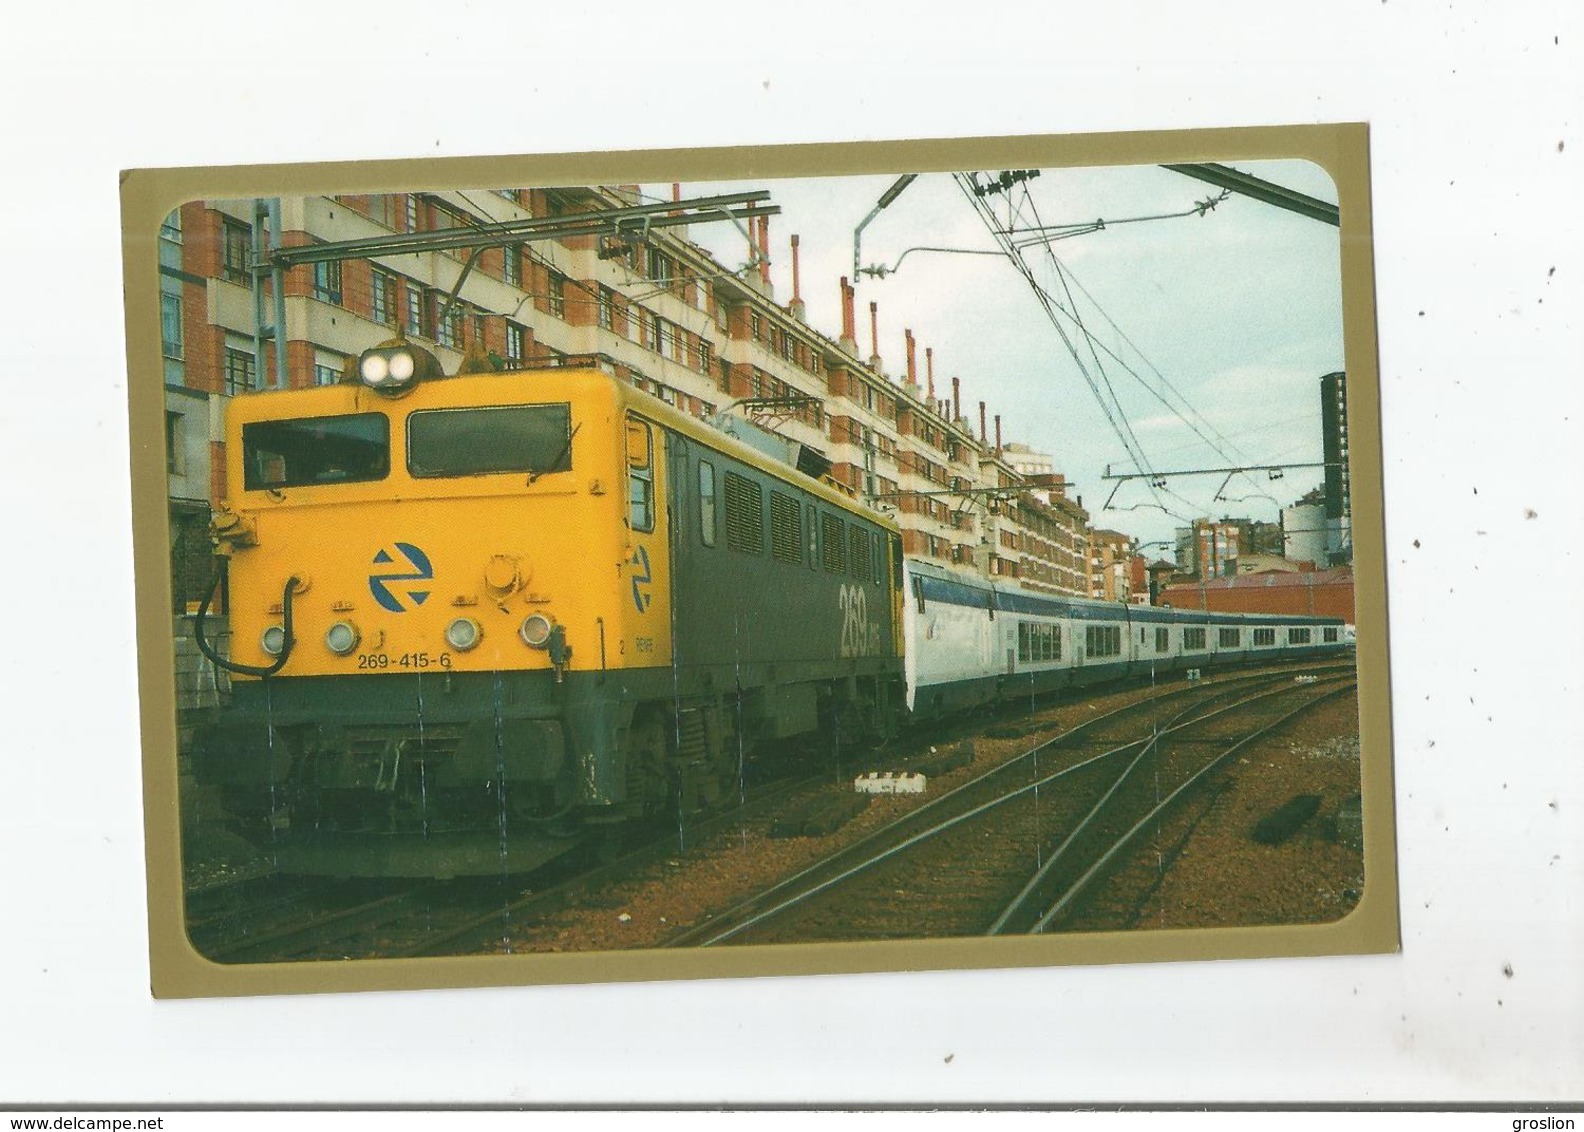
x=874, y=337
x=929, y=370
x=956, y=401
x=849, y=329
x=998, y=434
x=764, y=249
x=912, y=368
x=983, y=439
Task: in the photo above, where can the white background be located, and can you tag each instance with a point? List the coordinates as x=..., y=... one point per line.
x=1474, y=111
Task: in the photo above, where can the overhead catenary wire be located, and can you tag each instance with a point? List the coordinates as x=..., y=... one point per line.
x=1108, y=400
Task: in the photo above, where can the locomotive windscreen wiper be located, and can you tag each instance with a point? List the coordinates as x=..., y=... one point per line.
x=555, y=465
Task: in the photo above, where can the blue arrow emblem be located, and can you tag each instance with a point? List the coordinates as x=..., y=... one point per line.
x=420, y=571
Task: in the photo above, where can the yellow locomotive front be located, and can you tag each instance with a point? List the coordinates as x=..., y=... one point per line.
x=436, y=593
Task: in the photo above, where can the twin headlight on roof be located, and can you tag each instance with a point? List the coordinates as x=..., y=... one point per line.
x=396, y=366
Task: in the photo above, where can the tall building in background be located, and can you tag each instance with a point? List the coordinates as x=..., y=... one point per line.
x=1338, y=489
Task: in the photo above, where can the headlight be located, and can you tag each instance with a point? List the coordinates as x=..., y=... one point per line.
x=463, y=633
x=374, y=369
x=274, y=640
x=535, y=630
x=342, y=638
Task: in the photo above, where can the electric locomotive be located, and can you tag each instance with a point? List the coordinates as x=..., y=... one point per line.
x=473, y=617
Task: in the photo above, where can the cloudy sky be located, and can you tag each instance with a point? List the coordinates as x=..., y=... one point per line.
x=1232, y=317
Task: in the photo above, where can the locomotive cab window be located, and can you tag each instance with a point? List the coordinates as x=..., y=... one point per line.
x=640, y=475
x=315, y=450
x=443, y=443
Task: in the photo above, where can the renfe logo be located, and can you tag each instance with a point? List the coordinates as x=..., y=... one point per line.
x=641, y=577
x=416, y=561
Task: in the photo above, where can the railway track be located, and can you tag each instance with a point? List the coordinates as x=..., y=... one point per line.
x=274, y=919
x=1040, y=827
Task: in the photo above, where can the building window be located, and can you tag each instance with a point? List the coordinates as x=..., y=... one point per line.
x=175, y=450
x=239, y=370
x=170, y=227
x=705, y=356
x=328, y=368
x=412, y=212
x=384, y=287
x=327, y=282
x=516, y=343
x=557, y=294
x=413, y=322
x=607, y=309
x=756, y=326
x=171, y=326
x=511, y=264
x=649, y=329
x=236, y=252
x=447, y=331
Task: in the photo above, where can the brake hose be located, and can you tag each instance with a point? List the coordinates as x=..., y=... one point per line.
x=232, y=666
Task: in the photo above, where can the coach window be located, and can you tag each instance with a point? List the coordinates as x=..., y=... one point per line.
x=640, y=475
x=707, y=502
x=1297, y=636
x=1162, y=639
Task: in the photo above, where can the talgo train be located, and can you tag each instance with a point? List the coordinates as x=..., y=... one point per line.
x=473, y=618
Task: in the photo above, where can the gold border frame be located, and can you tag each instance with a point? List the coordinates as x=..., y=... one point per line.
x=148, y=195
